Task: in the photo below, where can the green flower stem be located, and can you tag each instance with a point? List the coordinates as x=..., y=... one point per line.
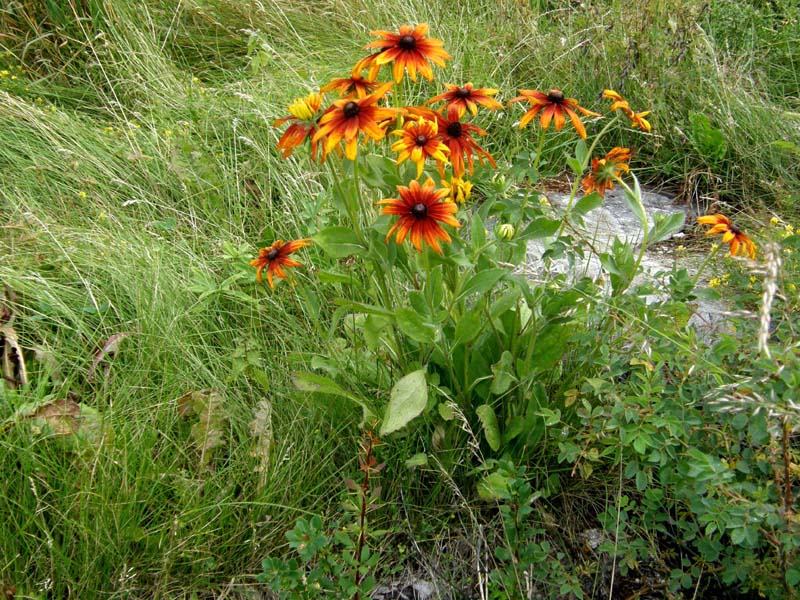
x=539, y=148
x=352, y=211
x=709, y=258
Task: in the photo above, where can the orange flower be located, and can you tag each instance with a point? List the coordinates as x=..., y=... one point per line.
x=421, y=209
x=731, y=234
x=553, y=107
x=355, y=84
x=457, y=137
x=305, y=112
x=276, y=257
x=410, y=50
x=637, y=119
x=419, y=140
x=348, y=117
x=605, y=170
x=467, y=98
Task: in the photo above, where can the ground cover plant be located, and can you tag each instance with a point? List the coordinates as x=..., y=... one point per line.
x=268, y=325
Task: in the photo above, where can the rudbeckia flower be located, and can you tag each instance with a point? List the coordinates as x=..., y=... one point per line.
x=553, y=106
x=419, y=140
x=731, y=234
x=421, y=209
x=410, y=50
x=275, y=257
x=348, y=117
x=466, y=97
x=353, y=85
x=605, y=170
x=304, y=111
x=457, y=136
x=459, y=189
x=637, y=119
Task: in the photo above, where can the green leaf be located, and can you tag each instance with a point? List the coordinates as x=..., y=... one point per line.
x=334, y=277
x=587, y=204
x=491, y=431
x=549, y=346
x=340, y=242
x=478, y=232
x=482, y=282
x=665, y=226
x=494, y=487
x=414, y=326
x=634, y=202
x=408, y=399
x=418, y=460
x=575, y=165
x=503, y=374
x=581, y=151
x=311, y=382
x=541, y=227
x=468, y=327
x=446, y=411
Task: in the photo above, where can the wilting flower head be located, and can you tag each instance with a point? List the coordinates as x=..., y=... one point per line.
x=368, y=62
x=457, y=137
x=419, y=139
x=731, y=234
x=348, y=117
x=466, y=97
x=275, y=257
x=305, y=112
x=459, y=190
x=410, y=49
x=553, y=106
x=637, y=119
x=605, y=170
x=421, y=209
x=353, y=85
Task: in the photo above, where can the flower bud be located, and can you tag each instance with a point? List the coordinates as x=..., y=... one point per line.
x=505, y=231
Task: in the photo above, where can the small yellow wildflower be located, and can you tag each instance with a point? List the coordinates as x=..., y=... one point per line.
x=82, y=195
x=5, y=73
x=792, y=287
x=714, y=247
x=788, y=230
x=460, y=190
x=680, y=248
x=714, y=282
x=168, y=132
x=544, y=201
x=774, y=221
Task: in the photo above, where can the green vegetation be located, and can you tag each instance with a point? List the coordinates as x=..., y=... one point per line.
x=169, y=427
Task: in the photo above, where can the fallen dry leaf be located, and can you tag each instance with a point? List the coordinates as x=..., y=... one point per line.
x=108, y=351
x=14, y=372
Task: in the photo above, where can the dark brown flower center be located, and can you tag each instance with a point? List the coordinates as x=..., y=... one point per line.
x=273, y=254
x=463, y=93
x=555, y=96
x=454, y=129
x=419, y=210
x=351, y=109
x=734, y=229
x=421, y=140
x=407, y=42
